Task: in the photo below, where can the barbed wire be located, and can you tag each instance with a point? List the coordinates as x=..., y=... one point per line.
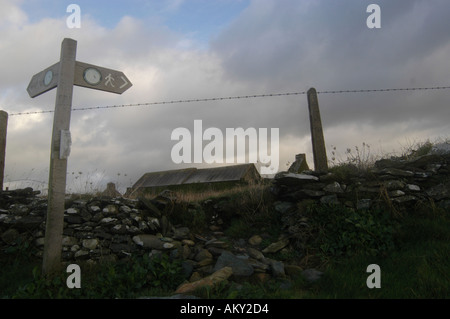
x=25, y=180
x=235, y=98
x=385, y=90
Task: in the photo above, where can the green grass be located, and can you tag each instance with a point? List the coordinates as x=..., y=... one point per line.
x=137, y=277
x=417, y=268
x=15, y=273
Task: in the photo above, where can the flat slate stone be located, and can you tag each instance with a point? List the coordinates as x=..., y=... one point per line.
x=239, y=266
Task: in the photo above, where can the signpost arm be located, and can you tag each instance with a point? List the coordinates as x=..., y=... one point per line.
x=58, y=163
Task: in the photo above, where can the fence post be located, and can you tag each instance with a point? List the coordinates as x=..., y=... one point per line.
x=3, y=129
x=318, y=142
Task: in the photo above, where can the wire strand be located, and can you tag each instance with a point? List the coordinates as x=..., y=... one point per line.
x=235, y=98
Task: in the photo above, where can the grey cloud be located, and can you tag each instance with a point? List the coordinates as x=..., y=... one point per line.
x=329, y=39
x=272, y=47
x=326, y=44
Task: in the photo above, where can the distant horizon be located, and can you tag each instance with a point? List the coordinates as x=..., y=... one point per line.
x=441, y=146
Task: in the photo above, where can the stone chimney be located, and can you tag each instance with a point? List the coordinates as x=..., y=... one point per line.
x=299, y=165
x=111, y=191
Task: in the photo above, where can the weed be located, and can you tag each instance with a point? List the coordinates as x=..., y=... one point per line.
x=192, y=216
x=342, y=231
x=165, y=273
x=416, y=149
x=361, y=158
x=245, y=290
x=128, y=279
x=85, y=183
x=344, y=171
x=417, y=268
x=46, y=288
x=237, y=229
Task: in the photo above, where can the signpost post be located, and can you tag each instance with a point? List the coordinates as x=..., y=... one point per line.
x=64, y=75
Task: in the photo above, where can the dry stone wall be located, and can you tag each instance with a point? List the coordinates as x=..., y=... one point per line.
x=401, y=183
x=400, y=186
x=108, y=228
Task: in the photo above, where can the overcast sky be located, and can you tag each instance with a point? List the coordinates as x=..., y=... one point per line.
x=195, y=49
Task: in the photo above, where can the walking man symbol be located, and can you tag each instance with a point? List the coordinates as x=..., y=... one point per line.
x=109, y=80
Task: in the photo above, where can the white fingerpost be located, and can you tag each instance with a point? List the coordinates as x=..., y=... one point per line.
x=64, y=75
x=58, y=164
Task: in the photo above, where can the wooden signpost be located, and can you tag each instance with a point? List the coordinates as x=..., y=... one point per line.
x=64, y=75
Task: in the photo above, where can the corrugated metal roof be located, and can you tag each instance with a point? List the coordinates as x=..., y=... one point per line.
x=164, y=178
x=219, y=174
x=194, y=175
